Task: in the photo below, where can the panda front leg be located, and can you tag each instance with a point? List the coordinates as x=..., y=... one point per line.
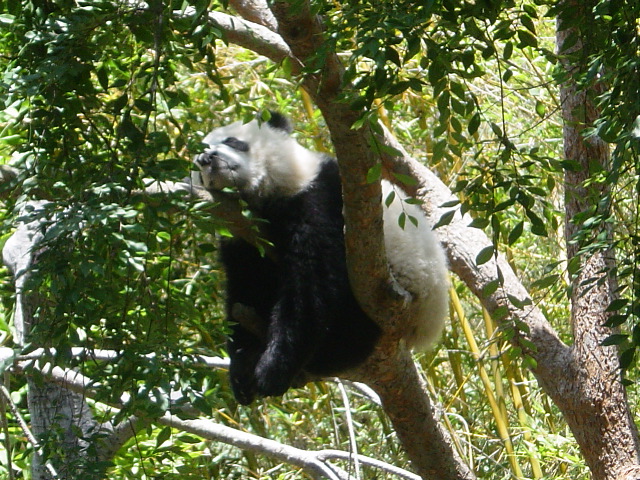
x=245, y=350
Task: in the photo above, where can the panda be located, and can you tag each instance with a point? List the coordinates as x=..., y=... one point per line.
x=292, y=312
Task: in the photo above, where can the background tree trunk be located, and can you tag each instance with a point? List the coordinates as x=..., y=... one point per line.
x=55, y=412
x=595, y=404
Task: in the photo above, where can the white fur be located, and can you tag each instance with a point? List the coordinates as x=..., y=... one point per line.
x=276, y=164
x=419, y=265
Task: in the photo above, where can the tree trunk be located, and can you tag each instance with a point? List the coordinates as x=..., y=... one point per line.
x=392, y=373
x=59, y=417
x=595, y=405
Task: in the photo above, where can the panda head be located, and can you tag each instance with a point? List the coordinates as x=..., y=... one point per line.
x=258, y=159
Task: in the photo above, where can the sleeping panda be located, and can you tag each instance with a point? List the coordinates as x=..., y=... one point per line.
x=308, y=320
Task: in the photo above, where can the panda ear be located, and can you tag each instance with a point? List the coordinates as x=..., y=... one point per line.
x=279, y=122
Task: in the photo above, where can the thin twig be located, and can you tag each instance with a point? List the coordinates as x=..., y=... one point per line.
x=353, y=445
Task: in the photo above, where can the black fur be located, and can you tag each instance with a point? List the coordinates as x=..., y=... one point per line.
x=301, y=293
x=279, y=122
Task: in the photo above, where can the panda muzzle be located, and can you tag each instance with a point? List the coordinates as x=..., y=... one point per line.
x=208, y=159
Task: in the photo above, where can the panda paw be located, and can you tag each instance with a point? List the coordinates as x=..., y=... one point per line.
x=273, y=378
x=244, y=391
x=241, y=377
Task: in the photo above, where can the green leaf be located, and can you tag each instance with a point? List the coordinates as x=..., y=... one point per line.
x=617, y=305
x=405, y=179
x=528, y=23
x=516, y=302
x=436, y=72
x=616, y=320
x=490, y=288
x=374, y=173
x=413, y=47
x=163, y=436
x=287, y=66
x=529, y=362
x=516, y=233
x=485, y=255
x=508, y=51
x=474, y=124
x=6, y=19
x=118, y=104
x=390, y=198
x=480, y=223
x=546, y=281
x=626, y=358
x=527, y=39
x=500, y=313
x=389, y=150
x=445, y=219
x=391, y=55
x=131, y=131
x=402, y=220
x=103, y=77
x=144, y=105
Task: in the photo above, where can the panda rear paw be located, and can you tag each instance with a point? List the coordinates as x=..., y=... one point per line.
x=273, y=378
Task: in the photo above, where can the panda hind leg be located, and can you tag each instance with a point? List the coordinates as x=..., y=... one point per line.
x=276, y=371
x=289, y=347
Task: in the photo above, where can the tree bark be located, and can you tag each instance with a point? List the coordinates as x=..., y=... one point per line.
x=595, y=403
x=392, y=374
x=54, y=410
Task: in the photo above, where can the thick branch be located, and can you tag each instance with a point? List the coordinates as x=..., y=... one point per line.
x=256, y=11
x=250, y=35
x=368, y=270
x=390, y=371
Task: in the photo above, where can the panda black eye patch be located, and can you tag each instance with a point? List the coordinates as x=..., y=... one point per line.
x=236, y=144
